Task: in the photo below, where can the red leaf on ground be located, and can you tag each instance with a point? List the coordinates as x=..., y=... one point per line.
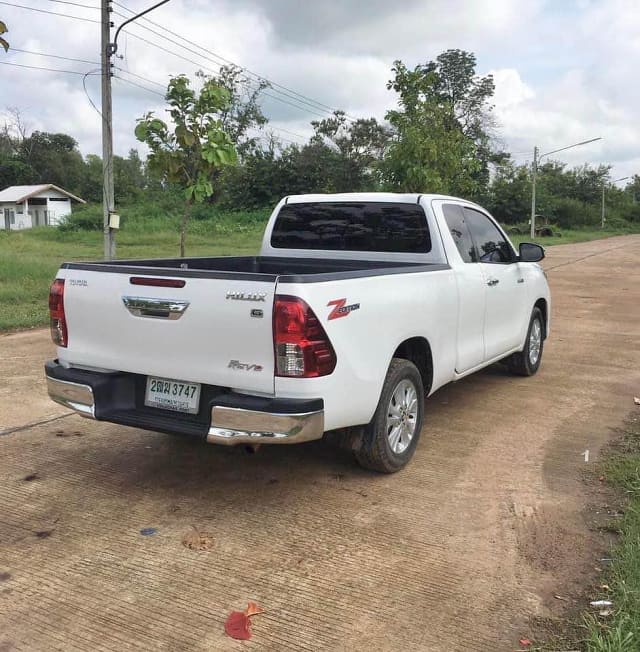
x=238, y=626
x=525, y=641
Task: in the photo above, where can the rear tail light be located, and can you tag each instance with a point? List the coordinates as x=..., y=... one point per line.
x=302, y=347
x=59, y=333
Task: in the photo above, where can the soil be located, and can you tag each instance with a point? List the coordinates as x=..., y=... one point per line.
x=465, y=549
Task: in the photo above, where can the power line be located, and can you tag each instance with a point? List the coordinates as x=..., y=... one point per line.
x=75, y=4
x=214, y=72
x=21, y=65
x=298, y=96
x=144, y=88
x=52, y=13
x=54, y=56
x=150, y=81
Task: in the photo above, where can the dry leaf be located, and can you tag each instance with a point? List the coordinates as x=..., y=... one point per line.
x=253, y=609
x=238, y=626
x=197, y=540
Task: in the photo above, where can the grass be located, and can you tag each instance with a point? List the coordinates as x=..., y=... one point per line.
x=621, y=633
x=29, y=259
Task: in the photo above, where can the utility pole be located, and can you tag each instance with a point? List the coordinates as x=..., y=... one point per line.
x=111, y=221
x=534, y=173
x=108, y=200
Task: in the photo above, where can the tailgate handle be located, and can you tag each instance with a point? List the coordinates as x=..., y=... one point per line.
x=155, y=308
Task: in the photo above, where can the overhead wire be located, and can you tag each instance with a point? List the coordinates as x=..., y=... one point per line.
x=75, y=4
x=217, y=58
x=55, y=56
x=45, y=11
x=22, y=65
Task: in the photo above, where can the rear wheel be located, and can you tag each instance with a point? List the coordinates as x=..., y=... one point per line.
x=527, y=361
x=390, y=439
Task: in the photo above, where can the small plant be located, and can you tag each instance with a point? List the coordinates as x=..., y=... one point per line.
x=189, y=153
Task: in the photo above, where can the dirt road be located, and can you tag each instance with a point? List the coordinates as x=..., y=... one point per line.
x=457, y=552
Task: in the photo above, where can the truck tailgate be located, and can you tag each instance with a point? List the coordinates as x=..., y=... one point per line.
x=216, y=331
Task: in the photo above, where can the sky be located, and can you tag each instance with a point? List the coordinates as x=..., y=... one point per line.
x=565, y=70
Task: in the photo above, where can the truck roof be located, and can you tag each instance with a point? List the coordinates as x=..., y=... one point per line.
x=404, y=198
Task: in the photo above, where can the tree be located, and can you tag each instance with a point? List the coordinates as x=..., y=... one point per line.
x=242, y=113
x=3, y=42
x=55, y=159
x=189, y=152
x=360, y=145
x=442, y=126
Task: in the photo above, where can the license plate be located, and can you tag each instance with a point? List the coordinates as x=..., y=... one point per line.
x=173, y=395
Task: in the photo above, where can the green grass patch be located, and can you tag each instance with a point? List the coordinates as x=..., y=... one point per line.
x=621, y=631
x=30, y=259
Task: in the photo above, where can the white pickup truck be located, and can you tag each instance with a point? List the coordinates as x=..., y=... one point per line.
x=358, y=306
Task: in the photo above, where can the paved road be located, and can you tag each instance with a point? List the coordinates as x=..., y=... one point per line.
x=457, y=552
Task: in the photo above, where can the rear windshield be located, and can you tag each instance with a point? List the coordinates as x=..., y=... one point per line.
x=363, y=226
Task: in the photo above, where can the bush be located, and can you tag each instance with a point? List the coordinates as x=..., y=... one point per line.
x=86, y=218
x=573, y=214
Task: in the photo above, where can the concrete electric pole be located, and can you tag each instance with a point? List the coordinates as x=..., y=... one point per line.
x=108, y=49
x=108, y=201
x=534, y=173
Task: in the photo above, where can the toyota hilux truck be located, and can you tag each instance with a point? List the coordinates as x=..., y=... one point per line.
x=358, y=307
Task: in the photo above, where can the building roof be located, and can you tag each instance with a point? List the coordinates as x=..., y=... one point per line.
x=18, y=194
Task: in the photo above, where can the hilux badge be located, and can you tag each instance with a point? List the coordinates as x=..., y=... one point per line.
x=246, y=296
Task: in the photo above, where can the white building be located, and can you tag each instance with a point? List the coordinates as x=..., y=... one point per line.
x=22, y=207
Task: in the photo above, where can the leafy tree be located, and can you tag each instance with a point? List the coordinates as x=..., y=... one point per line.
x=509, y=197
x=360, y=145
x=3, y=42
x=242, y=113
x=55, y=159
x=189, y=152
x=442, y=126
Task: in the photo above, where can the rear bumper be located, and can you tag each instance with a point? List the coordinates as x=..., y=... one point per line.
x=225, y=417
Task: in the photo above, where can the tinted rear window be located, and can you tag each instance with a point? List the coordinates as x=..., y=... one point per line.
x=372, y=226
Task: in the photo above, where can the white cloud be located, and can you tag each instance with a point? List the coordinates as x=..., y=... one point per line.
x=564, y=72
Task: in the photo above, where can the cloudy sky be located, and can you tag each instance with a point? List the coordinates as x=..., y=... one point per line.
x=565, y=70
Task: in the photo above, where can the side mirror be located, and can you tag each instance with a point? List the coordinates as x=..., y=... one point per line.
x=530, y=253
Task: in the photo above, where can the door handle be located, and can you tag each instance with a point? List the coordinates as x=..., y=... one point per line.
x=493, y=281
x=155, y=308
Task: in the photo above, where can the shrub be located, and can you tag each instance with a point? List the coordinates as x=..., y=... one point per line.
x=86, y=218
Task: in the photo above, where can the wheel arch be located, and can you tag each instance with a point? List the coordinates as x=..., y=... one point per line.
x=544, y=309
x=418, y=351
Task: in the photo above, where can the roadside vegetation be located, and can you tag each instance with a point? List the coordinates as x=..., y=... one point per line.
x=30, y=259
x=441, y=136
x=620, y=632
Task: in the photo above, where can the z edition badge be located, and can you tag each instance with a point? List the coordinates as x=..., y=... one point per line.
x=341, y=309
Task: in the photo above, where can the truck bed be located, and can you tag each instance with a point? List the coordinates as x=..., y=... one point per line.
x=257, y=268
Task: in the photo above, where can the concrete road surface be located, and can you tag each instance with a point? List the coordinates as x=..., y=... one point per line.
x=457, y=552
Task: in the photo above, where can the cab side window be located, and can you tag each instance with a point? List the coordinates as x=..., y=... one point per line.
x=455, y=219
x=491, y=244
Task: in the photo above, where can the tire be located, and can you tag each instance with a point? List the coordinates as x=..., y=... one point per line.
x=384, y=447
x=527, y=361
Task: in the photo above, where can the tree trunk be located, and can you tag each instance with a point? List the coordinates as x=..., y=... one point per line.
x=183, y=227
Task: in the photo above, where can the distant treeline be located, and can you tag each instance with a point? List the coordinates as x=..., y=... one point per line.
x=441, y=137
